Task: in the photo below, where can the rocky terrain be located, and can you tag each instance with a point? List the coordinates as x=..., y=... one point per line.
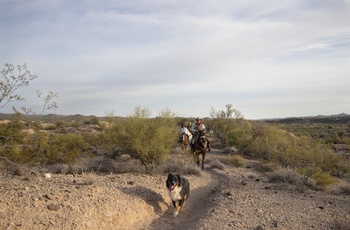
x=221, y=198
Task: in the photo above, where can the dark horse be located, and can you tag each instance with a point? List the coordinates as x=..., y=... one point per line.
x=200, y=147
x=184, y=140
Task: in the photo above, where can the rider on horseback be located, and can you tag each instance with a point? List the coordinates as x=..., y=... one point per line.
x=183, y=131
x=199, y=129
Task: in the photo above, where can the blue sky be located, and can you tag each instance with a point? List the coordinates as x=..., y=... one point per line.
x=268, y=59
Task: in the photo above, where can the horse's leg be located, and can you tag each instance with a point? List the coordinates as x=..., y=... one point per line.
x=198, y=161
x=203, y=157
x=194, y=156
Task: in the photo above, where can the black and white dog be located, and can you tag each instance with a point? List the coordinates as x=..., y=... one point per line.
x=179, y=190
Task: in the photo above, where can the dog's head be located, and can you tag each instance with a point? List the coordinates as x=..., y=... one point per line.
x=173, y=181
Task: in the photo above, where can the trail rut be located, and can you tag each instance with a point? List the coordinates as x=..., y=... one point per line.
x=198, y=205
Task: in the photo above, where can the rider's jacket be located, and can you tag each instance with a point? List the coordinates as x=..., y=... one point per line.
x=198, y=127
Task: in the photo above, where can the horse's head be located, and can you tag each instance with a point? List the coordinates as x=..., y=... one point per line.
x=201, y=133
x=202, y=141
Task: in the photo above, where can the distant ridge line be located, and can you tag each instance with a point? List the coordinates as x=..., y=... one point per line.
x=336, y=118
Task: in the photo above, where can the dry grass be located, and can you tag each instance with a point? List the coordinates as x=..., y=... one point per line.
x=217, y=164
x=235, y=160
x=289, y=176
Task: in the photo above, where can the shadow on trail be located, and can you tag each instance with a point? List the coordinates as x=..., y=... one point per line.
x=149, y=196
x=200, y=203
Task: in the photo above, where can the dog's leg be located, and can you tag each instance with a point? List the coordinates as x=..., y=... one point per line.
x=174, y=204
x=177, y=208
x=183, y=202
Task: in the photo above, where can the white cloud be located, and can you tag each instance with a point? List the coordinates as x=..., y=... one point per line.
x=186, y=55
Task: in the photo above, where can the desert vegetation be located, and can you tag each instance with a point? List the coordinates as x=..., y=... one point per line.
x=105, y=144
x=312, y=155
x=305, y=147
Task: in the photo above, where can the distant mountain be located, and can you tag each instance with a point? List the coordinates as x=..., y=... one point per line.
x=336, y=118
x=335, y=115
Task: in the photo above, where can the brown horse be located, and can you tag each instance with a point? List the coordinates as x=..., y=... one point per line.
x=184, y=139
x=200, y=147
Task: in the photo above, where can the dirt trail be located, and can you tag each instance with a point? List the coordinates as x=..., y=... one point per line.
x=198, y=205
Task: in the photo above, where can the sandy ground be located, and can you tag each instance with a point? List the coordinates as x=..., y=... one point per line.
x=231, y=198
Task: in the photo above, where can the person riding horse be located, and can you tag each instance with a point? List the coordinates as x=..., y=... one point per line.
x=184, y=131
x=198, y=129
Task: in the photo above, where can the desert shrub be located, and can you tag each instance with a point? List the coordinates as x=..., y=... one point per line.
x=272, y=144
x=224, y=121
x=335, y=133
x=340, y=168
x=335, y=164
x=181, y=169
x=58, y=148
x=60, y=168
x=267, y=167
x=12, y=152
x=60, y=125
x=12, y=141
x=76, y=124
x=11, y=132
x=52, y=126
x=304, y=154
x=92, y=164
x=108, y=139
x=230, y=132
x=217, y=164
x=241, y=136
x=149, y=140
x=94, y=120
x=130, y=166
x=70, y=145
x=285, y=175
x=323, y=179
x=101, y=164
x=235, y=160
x=312, y=157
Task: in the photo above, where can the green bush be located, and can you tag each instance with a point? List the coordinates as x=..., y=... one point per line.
x=12, y=152
x=304, y=154
x=11, y=133
x=150, y=140
x=67, y=146
x=323, y=179
x=108, y=139
x=12, y=141
x=241, y=136
x=58, y=148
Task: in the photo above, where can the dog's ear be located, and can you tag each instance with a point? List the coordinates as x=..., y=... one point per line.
x=179, y=178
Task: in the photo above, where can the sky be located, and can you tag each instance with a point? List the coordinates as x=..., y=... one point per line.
x=268, y=59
